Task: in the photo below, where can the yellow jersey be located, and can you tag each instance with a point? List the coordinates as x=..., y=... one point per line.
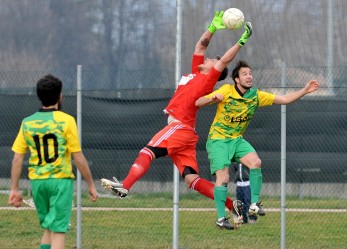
x=235, y=112
x=51, y=136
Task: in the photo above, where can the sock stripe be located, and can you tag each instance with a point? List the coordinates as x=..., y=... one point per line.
x=147, y=152
x=192, y=186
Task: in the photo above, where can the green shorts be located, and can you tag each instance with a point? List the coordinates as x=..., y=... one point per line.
x=222, y=152
x=53, y=198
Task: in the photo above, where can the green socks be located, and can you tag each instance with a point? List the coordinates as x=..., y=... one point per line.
x=220, y=196
x=45, y=246
x=256, y=180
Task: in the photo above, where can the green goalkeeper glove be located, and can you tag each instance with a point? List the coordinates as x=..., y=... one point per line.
x=217, y=22
x=245, y=36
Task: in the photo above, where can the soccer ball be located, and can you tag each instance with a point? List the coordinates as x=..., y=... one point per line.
x=233, y=18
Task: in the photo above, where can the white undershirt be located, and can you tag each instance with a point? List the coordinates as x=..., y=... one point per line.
x=171, y=119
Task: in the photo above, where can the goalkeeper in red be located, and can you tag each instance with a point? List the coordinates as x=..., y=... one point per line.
x=178, y=139
x=236, y=106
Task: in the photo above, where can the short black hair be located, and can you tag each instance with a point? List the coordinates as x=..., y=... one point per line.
x=224, y=73
x=48, y=90
x=236, y=70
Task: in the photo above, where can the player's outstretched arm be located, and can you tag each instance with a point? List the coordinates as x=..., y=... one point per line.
x=232, y=52
x=310, y=87
x=216, y=24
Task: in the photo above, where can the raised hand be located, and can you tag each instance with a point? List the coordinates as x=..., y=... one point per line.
x=217, y=22
x=245, y=36
x=311, y=86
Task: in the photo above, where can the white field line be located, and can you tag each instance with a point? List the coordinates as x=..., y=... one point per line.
x=300, y=210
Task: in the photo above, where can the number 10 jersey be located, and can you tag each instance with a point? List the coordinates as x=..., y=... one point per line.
x=51, y=136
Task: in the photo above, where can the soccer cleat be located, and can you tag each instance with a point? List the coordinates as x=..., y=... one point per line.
x=223, y=223
x=30, y=202
x=252, y=219
x=236, y=212
x=115, y=186
x=255, y=209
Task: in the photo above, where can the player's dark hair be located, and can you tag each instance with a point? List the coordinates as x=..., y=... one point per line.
x=224, y=73
x=48, y=90
x=236, y=70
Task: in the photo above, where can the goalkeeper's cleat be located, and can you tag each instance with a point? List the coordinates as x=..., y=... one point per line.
x=223, y=223
x=245, y=36
x=30, y=202
x=115, y=186
x=236, y=212
x=256, y=209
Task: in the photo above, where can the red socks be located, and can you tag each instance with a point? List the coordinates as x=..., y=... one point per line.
x=206, y=188
x=142, y=164
x=139, y=168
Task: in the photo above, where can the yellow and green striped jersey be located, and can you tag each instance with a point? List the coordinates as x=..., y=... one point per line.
x=235, y=112
x=51, y=136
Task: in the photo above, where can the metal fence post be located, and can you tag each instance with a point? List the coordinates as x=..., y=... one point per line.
x=79, y=125
x=283, y=159
x=177, y=77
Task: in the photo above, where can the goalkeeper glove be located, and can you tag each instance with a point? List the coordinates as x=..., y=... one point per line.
x=245, y=36
x=217, y=22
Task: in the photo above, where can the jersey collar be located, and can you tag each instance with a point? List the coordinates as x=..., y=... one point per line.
x=238, y=91
x=48, y=110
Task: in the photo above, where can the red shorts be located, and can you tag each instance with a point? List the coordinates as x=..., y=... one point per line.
x=180, y=141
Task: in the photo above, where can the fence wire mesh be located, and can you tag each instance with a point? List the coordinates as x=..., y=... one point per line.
x=128, y=77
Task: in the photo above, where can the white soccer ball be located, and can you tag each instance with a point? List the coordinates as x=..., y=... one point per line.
x=233, y=18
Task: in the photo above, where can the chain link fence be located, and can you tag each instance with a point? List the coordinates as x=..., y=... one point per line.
x=127, y=50
x=117, y=124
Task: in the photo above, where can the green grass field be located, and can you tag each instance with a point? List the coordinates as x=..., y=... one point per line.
x=136, y=228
